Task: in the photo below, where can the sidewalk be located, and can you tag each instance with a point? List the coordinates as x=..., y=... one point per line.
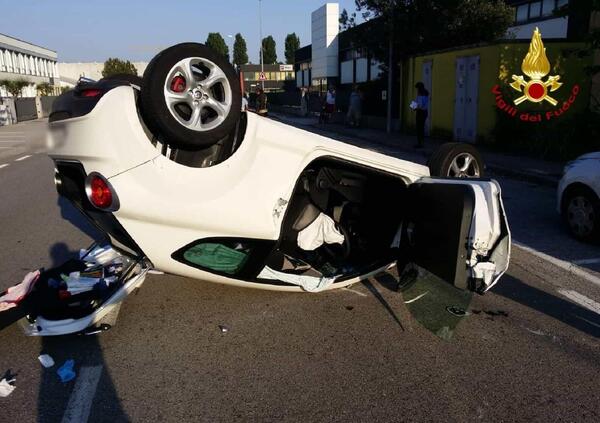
x=530, y=169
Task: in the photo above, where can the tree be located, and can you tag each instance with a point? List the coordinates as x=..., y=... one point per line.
x=45, y=89
x=240, y=51
x=292, y=43
x=217, y=43
x=14, y=87
x=269, y=52
x=420, y=25
x=115, y=66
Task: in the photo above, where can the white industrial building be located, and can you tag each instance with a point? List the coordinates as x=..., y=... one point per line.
x=22, y=60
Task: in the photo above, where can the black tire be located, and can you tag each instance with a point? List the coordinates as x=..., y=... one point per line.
x=573, y=198
x=127, y=77
x=441, y=161
x=159, y=118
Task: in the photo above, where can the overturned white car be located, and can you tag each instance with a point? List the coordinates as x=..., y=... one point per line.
x=182, y=181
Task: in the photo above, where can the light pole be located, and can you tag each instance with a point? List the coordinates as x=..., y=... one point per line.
x=231, y=38
x=262, y=66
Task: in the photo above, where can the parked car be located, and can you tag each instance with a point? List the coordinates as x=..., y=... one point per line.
x=579, y=197
x=181, y=181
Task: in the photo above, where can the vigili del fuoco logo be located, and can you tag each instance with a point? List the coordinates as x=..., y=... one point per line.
x=535, y=89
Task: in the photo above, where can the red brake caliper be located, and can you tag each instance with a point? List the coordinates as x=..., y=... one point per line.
x=178, y=84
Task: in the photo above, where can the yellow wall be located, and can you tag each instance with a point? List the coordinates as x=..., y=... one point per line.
x=497, y=63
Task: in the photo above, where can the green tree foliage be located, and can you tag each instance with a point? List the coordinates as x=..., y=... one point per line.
x=218, y=44
x=269, y=50
x=14, y=87
x=240, y=51
x=115, y=66
x=45, y=89
x=421, y=25
x=292, y=43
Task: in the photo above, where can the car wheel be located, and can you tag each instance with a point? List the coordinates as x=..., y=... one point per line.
x=191, y=97
x=127, y=77
x=456, y=160
x=581, y=212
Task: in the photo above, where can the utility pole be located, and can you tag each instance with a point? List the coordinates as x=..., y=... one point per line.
x=262, y=65
x=388, y=127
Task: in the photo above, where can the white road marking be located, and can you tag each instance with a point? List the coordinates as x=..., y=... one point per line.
x=23, y=158
x=80, y=402
x=580, y=299
x=565, y=265
x=3, y=165
x=586, y=261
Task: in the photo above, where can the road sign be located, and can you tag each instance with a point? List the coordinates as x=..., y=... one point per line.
x=286, y=68
x=262, y=76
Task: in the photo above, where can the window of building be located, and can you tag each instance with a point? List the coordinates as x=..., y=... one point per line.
x=535, y=9
x=548, y=7
x=522, y=12
x=561, y=3
x=305, y=65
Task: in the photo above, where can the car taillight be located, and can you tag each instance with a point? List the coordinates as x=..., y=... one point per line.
x=91, y=93
x=100, y=192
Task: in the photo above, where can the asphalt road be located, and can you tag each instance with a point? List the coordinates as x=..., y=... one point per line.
x=529, y=350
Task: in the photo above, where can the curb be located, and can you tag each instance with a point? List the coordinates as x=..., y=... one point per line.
x=537, y=178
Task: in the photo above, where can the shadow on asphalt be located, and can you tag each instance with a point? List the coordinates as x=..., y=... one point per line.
x=69, y=213
x=571, y=314
x=382, y=300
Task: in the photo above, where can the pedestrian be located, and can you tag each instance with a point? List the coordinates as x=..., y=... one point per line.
x=329, y=103
x=245, y=102
x=421, y=105
x=304, y=102
x=261, y=102
x=355, y=107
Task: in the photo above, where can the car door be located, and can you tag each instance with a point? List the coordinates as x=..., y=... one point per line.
x=457, y=230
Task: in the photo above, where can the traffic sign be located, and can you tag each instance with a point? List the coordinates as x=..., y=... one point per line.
x=262, y=76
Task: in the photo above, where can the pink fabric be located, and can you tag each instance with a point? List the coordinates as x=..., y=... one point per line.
x=15, y=294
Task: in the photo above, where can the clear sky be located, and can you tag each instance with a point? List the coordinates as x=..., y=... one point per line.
x=93, y=30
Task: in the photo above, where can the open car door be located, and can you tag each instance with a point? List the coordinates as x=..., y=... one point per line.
x=457, y=230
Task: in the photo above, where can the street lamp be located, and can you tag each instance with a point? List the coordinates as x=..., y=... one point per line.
x=262, y=66
x=231, y=38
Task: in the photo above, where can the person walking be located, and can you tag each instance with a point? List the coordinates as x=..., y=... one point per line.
x=329, y=103
x=261, y=102
x=304, y=102
x=421, y=105
x=355, y=108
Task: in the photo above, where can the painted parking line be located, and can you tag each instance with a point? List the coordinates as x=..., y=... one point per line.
x=580, y=299
x=23, y=158
x=80, y=402
x=565, y=265
x=3, y=165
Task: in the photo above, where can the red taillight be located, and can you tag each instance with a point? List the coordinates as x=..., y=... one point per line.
x=100, y=192
x=91, y=93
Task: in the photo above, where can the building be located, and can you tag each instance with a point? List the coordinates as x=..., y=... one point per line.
x=23, y=60
x=332, y=58
x=530, y=14
x=276, y=77
x=71, y=72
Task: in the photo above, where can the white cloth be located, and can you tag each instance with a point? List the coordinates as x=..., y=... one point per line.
x=244, y=104
x=321, y=230
x=16, y=293
x=6, y=388
x=46, y=360
x=330, y=98
x=308, y=283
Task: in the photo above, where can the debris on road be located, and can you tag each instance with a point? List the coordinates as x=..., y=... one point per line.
x=17, y=293
x=46, y=360
x=6, y=388
x=66, y=372
x=223, y=328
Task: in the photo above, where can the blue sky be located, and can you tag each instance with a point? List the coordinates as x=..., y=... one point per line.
x=93, y=30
